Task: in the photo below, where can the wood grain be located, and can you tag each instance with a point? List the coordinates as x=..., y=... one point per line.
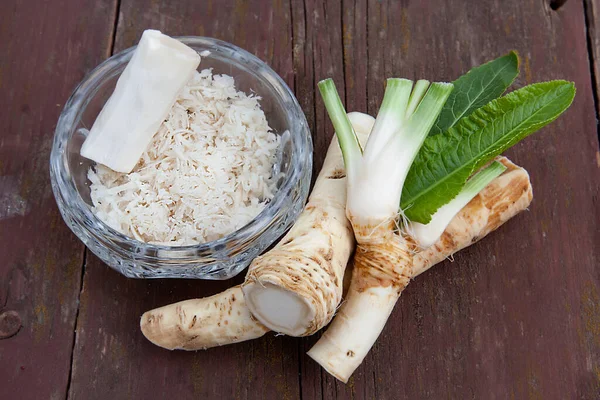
x=45, y=52
x=112, y=359
x=462, y=330
x=515, y=316
x=465, y=330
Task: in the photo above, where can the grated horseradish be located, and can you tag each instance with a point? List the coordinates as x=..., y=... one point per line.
x=206, y=173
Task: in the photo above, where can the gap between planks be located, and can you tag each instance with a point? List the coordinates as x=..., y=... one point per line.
x=588, y=18
x=75, y=323
x=113, y=37
x=589, y=21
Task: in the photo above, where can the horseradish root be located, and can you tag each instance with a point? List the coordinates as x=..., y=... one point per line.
x=296, y=287
x=383, y=259
x=202, y=323
x=341, y=350
x=406, y=187
x=169, y=326
x=502, y=199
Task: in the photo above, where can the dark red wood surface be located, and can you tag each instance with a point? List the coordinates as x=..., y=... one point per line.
x=515, y=316
x=45, y=50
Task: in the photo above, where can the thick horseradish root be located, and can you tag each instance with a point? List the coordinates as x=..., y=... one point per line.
x=202, y=323
x=296, y=287
x=383, y=260
x=382, y=271
x=169, y=326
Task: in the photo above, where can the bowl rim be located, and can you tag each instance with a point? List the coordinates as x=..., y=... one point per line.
x=76, y=103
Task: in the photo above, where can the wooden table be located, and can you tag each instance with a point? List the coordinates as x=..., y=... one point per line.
x=515, y=316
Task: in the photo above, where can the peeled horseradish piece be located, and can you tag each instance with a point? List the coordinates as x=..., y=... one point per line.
x=145, y=92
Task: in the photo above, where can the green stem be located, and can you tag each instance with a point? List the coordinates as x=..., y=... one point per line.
x=481, y=179
x=407, y=113
x=427, y=234
x=416, y=96
x=347, y=138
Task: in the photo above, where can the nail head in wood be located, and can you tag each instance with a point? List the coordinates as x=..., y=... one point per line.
x=10, y=323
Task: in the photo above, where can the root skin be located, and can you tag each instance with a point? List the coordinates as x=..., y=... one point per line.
x=383, y=265
x=202, y=323
x=381, y=272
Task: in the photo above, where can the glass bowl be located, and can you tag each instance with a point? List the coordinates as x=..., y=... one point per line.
x=220, y=259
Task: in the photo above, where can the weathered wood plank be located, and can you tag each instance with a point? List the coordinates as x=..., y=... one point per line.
x=337, y=33
x=355, y=54
x=527, y=327
x=318, y=36
x=45, y=52
x=112, y=359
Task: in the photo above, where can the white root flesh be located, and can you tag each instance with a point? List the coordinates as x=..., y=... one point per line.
x=145, y=92
x=202, y=323
x=373, y=294
x=296, y=287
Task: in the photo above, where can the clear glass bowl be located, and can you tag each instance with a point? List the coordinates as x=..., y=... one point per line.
x=220, y=259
